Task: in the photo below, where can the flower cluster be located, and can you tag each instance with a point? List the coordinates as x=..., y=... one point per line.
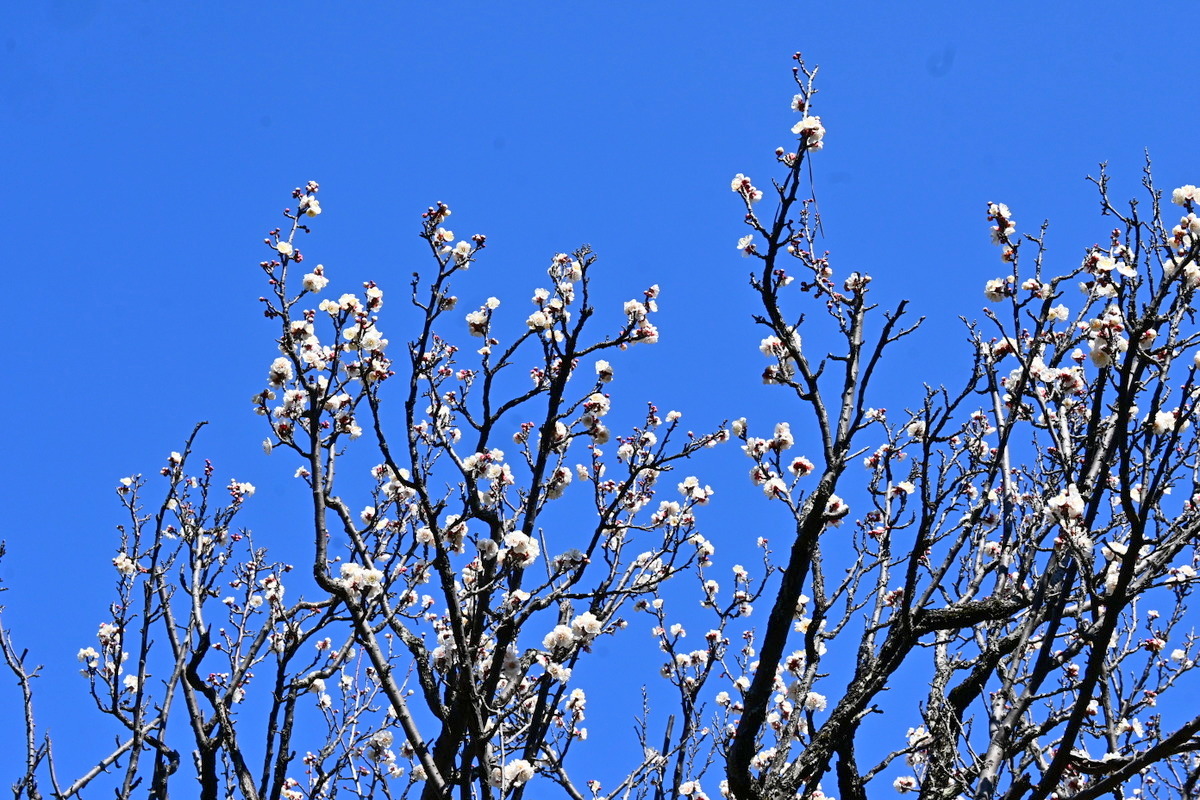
x=767, y=470
x=479, y=321
x=1185, y=195
x=998, y=289
x=1066, y=506
x=1106, y=339
x=583, y=629
x=746, y=245
x=785, y=365
x=1003, y=227
x=640, y=329
x=809, y=128
x=742, y=186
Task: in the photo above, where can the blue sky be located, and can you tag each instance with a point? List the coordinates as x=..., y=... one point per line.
x=150, y=146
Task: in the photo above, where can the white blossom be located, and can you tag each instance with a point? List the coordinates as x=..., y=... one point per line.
x=1066, y=505
x=1185, y=194
x=517, y=772
x=815, y=702
x=562, y=636
x=315, y=282
x=125, y=565
x=280, y=372
x=811, y=131
x=586, y=626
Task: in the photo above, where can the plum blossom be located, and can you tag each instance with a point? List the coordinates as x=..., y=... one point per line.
x=1004, y=227
x=280, y=372
x=1166, y=422
x=1067, y=505
x=1002, y=348
x=557, y=483
x=1102, y=263
x=1185, y=194
x=562, y=636
x=597, y=404
x=240, y=490
x=523, y=549
x=1181, y=575
x=1133, y=726
x=998, y=288
x=374, y=296
x=586, y=626
x=835, y=510
x=358, y=578
x=517, y=772
x=741, y=184
x=774, y=488
x=365, y=335
x=539, y=321
x=315, y=281
x=772, y=346
x=801, y=467
x=783, y=437
x=691, y=489
x=746, y=244
x=815, y=702
x=811, y=131
x=477, y=323
x=309, y=205
x=88, y=656
x=125, y=565
x=107, y=633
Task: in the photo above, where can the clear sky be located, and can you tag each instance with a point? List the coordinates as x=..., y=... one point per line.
x=149, y=146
